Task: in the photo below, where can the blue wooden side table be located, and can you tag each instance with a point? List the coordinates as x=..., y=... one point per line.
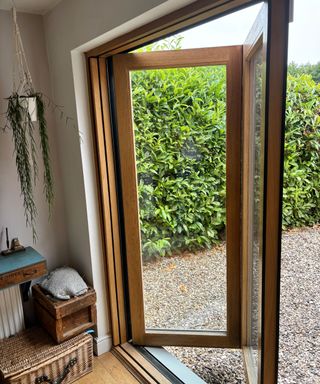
x=21, y=267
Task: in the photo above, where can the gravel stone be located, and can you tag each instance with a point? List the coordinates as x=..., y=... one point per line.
x=188, y=291
x=299, y=355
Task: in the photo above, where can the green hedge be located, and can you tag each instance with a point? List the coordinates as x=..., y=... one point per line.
x=180, y=142
x=301, y=200
x=305, y=69
x=179, y=117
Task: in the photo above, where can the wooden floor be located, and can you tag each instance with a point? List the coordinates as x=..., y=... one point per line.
x=108, y=370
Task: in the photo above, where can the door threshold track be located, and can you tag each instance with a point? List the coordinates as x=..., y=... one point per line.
x=154, y=365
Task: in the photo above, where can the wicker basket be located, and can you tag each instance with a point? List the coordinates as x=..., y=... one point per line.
x=32, y=357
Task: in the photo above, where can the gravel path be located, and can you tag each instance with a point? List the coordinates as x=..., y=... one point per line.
x=188, y=291
x=176, y=296
x=300, y=307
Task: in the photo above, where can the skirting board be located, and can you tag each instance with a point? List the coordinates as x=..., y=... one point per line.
x=102, y=344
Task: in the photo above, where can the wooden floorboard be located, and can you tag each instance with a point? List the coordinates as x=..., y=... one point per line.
x=108, y=370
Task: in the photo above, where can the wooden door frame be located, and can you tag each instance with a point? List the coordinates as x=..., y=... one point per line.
x=276, y=81
x=196, y=13
x=231, y=57
x=108, y=196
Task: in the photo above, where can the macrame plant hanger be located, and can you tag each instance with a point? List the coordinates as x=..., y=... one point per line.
x=21, y=77
x=25, y=107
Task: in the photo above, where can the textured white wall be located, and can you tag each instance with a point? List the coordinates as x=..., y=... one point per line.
x=52, y=240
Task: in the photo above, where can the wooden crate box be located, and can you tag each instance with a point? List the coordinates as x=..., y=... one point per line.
x=64, y=319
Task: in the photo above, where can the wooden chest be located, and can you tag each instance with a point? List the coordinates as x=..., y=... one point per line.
x=64, y=319
x=32, y=356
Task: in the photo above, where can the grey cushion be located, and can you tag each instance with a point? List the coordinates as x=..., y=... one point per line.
x=64, y=283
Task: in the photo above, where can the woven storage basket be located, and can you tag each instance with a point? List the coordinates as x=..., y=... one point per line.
x=32, y=353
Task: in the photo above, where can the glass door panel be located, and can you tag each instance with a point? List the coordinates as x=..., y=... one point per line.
x=256, y=210
x=179, y=119
x=253, y=193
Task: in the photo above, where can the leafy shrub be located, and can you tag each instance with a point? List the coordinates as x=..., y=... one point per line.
x=305, y=69
x=180, y=132
x=179, y=117
x=301, y=199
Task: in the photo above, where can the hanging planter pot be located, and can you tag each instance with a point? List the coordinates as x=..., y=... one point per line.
x=30, y=104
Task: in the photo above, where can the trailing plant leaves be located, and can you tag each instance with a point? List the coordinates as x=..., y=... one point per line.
x=23, y=132
x=47, y=177
x=29, y=126
x=20, y=125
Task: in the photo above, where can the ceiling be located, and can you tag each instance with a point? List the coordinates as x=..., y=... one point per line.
x=39, y=7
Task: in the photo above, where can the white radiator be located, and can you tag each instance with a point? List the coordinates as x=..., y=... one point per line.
x=11, y=312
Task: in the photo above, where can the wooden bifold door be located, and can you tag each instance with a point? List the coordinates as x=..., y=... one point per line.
x=230, y=60
x=243, y=311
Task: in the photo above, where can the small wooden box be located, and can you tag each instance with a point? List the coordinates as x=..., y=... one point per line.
x=64, y=319
x=32, y=354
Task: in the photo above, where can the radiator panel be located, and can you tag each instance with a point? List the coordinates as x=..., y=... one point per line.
x=11, y=312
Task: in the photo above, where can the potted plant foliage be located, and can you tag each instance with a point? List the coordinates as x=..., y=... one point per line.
x=25, y=118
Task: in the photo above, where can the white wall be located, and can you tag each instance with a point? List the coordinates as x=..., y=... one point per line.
x=52, y=239
x=70, y=24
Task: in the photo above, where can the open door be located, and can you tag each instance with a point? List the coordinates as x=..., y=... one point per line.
x=253, y=92
x=143, y=180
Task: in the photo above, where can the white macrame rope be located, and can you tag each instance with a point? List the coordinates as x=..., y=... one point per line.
x=20, y=60
x=25, y=86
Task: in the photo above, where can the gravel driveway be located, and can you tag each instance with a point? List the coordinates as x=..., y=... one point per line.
x=188, y=291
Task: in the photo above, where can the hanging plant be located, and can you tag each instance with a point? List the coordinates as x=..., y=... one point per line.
x=26, y=118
